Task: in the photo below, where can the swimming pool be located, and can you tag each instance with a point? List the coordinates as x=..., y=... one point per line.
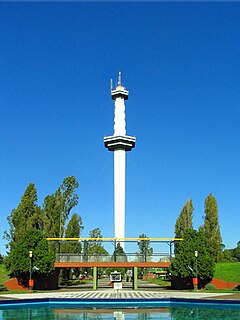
x=119, y=309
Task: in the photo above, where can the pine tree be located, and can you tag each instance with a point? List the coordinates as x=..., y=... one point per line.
x=212, y=228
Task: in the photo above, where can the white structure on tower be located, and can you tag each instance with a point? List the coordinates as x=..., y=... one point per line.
x=119, y=143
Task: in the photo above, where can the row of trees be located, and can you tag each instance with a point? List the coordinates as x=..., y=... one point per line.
x=30, y=225
x=207, y=241
x=232, y=255
x=50, y=218
x=210, y=228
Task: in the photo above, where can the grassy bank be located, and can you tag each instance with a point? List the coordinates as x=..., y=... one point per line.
x=229, y=272
x=160, y=282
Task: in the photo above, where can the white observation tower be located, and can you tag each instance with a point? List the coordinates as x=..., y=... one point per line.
x=119, y=143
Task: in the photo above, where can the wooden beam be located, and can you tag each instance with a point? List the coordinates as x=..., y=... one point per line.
x=112, y=264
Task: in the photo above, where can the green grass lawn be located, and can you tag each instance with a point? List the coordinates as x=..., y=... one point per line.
x=3, y=274
x=229, y=272
x=160, y=282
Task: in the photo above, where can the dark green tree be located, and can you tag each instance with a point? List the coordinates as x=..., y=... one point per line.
x=95, y=246
x=236, y=252
x=85, y=250
x=94, y=249
x=144, y=248
x=27, y=215
x=52, y=210
x=17, y=262
x=185, y=257
x=212, y=228
x=1, y=258
x=57, y=207
x=184, y=221
x=227, y=256
x=73, y=230
x=119, y=255
x=97, y=234
x=69, y=199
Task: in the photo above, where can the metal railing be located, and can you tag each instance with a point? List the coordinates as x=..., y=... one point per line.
x=128, y=257
x=132, y=244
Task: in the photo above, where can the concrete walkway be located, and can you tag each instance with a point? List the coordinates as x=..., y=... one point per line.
x=122, y=294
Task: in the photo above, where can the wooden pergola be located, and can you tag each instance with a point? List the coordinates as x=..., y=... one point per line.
x=134, y=265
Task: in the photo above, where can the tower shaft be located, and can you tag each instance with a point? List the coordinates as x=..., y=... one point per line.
x=119, y=193
x=119, y=117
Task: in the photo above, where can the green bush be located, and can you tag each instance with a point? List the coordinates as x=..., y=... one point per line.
x=210, y=286
x=237, y=288
x=3, y=287
x=185, y=257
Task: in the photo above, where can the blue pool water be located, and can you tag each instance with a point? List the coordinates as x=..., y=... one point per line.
x=65, y=310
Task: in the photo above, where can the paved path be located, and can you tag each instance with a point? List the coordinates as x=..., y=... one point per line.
x=111, y=294
x=147, y=291
x=105, y=283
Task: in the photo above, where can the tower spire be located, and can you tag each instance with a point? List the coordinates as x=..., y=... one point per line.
x=119, y=91
x=119, y=79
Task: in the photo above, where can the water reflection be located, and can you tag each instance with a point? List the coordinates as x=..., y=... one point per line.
x=173, y=313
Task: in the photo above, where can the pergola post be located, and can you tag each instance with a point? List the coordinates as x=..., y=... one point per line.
x=95, y=278
x=135, y=278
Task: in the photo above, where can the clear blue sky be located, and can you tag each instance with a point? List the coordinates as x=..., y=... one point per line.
x=180, y=62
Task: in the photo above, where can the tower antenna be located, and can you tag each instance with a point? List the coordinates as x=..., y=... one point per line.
x=119, y=78
x=111, y=84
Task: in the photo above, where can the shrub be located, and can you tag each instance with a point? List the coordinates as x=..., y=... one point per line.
x=3, y=287
x=210, y=286
x=237, y=288
x=185, y=257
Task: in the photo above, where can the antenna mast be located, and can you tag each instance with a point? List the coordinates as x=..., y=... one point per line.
x=119, y=78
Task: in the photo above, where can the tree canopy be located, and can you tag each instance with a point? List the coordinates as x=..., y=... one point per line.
x=17, y=261
x=119, y=254
x=236, y=251
x=185, y=257
x=96, y=246
x=57, y=207
x=27, y=215
x=73, y=230
x=30, y=225
x=144, y=248
x=212, y=228
x=184, y=220
x=1, y=258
